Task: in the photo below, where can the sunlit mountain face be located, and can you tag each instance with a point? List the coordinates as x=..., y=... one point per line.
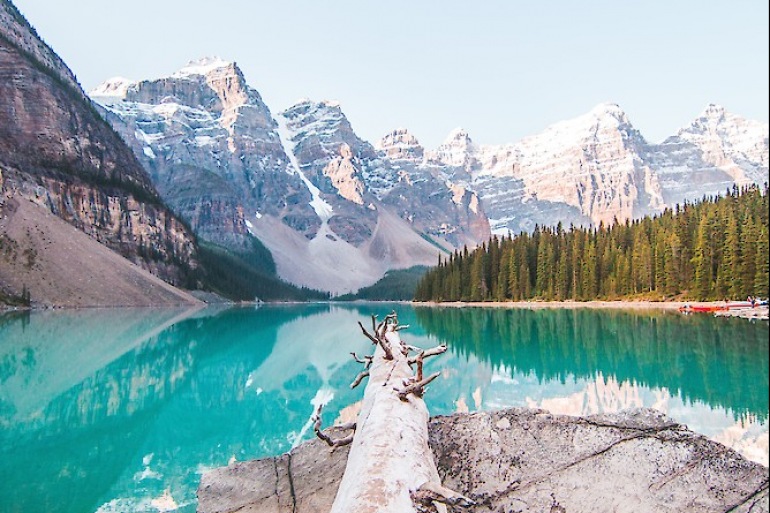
x=123, y=410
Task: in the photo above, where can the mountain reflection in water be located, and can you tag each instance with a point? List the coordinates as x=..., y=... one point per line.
x=122, y=410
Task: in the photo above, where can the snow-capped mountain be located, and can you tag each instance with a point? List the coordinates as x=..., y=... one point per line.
x=323, y=200
x=211, y=146
x=319, y=197
x=598, y=167
x=715, y=151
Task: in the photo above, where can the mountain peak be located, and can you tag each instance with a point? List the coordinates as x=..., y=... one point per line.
x=400, y=144
x=306, y=104
x=458, y=134
x=609, y=109
x=115, y=87
x=202, y=66
x=713, y=111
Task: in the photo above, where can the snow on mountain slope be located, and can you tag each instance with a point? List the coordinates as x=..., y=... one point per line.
x=708, y=156
x=321, y=207
x=598, y=167
x=111, y=89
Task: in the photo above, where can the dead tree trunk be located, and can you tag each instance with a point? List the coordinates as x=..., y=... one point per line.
x=390, y=467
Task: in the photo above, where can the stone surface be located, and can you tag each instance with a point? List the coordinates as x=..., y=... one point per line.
x=523, y=460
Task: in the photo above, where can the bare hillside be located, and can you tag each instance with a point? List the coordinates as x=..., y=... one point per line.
x=61, y=266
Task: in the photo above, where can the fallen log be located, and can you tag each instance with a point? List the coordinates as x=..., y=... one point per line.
x=390, y=467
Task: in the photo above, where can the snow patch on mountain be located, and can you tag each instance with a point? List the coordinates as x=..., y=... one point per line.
x=114, y=88
x=321, y=207
x=202, y=66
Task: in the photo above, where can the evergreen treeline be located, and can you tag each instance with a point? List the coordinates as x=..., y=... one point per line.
x=248, y=275
x=396, y=285
x=710, y=250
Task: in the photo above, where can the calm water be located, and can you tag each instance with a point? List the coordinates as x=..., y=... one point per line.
x=122, y=410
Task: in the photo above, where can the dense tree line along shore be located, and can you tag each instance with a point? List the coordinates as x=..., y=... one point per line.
x=714, y=249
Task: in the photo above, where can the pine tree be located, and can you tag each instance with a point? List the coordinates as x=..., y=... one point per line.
x=702, y=261
x=728, y=280
x=762, y=274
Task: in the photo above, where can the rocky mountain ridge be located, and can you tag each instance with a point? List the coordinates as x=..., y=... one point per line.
x=231, y=168
x=58, y=152
x=334, y=212
x=598, y=167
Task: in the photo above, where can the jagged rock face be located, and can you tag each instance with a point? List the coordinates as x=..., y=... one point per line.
x=591, y=163
x=423, y=193
x=711, y=154
x=458, y=150
x=16, y=31
x=401, y=145
x=55, y=149
x=212, y=147
x=598, y=167
x=331, y=156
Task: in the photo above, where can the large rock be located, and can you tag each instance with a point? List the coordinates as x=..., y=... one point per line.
x=523, y=460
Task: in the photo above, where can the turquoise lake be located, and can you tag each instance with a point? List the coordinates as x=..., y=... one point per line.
x=122, y=410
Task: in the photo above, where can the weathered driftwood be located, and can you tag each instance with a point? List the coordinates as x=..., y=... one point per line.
x=390, y=468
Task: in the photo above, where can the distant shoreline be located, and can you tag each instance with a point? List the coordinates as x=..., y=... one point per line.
x=756, y=312
x=665, y=305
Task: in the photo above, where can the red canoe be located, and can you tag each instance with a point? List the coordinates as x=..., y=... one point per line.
x=714, y=308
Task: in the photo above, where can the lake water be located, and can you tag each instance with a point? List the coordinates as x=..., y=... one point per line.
x=122, y=410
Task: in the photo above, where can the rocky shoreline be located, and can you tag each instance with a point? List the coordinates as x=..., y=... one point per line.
x=525, y=460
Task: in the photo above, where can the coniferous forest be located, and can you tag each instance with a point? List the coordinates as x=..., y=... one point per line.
x=714, y=249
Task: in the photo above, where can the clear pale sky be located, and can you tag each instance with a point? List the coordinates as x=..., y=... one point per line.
x=500, y=69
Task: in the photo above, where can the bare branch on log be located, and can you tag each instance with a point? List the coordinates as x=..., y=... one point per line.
x=391, y=318
x=418, y=361
x=386, y=348
x=417, y=388
x=359, y=378
x=428, y=494
x=366, y=360
x=401, y=327
x=368, y=335
x=378, y=339
x=433, y=351
x=326, y=438
x=410, y=348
